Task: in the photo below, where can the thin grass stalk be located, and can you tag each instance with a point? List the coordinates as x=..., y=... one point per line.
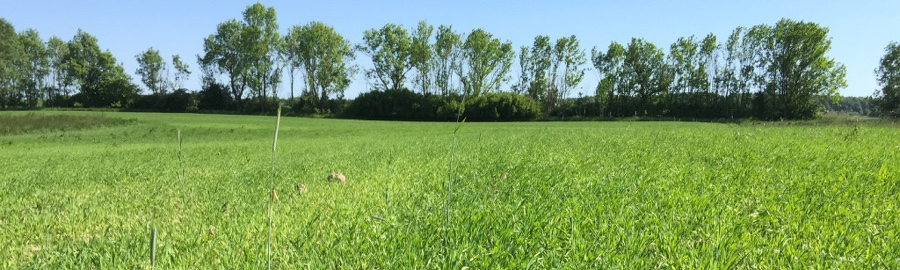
x=450, y=185
x=152, y=246
x=181, y=176
x=272, y=189
x=390, y=180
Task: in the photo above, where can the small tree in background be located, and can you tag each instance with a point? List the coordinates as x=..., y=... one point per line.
x=887, y=99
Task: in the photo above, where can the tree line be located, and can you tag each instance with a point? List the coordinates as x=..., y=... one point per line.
x=779, y=71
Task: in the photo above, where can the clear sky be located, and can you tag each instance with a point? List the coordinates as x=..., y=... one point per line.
x=859, y=29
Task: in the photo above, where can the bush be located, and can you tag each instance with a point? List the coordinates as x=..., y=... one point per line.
x=403, y=104
x=306, y=105
x=502, y=107
x=179, y=101
x=256, y=105
x=215, y=97
x=147, y=103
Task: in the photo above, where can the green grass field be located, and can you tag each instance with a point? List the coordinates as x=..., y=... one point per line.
x=576, y=195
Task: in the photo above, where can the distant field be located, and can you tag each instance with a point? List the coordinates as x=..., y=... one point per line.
x=576, y=195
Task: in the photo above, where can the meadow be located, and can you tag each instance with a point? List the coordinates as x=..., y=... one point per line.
x=536, y=195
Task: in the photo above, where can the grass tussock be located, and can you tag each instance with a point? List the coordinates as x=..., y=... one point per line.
x=29, y=123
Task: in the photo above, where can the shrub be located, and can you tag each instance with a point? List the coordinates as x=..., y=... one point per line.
x=393, y=104
x=179, y=101
x=147, y=103
x=215, y=97
x=502, y=107
x=257, y=105
x=403, y=104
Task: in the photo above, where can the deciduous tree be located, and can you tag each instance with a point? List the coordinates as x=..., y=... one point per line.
x=151, y=69
x=487, y=62
x=391, y=51
x=57, y=52
x=887, y=98
x=182, y=71
x=420, y=56
x=9, y=56
x=33, y=68
x=446, y=59
x=322, y=55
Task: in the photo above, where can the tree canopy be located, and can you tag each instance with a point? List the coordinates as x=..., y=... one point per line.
x=779, y=71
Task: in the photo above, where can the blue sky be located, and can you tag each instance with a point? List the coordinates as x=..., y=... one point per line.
x=859, y=29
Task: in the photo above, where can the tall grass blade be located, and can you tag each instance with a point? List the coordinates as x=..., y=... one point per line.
x=272, y=189
x=181, y=176
x=152, y=246
x=446, y=240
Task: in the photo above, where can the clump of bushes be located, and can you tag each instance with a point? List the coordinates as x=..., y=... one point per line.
x=177, y=101
x=502, y=107
x=403, y=104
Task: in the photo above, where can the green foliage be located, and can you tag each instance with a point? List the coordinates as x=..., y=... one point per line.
x=799, y=68
x=101, y=81
x=502, y=107
x=34, y=67
x=224, y=53
x=572, y=195
x=260, y=43
x=180, y=101
x=182, y=71
x=9, y=57
x=887, y=99
x=768, y=72
x=151, y=67
x=421, y=53
x=404, y=104
x=550, y=71
x=323, y=56
x=446, y=60
x=177, y=101
x=863, y=106
x=391, y=50
x=214, y=97
x=487, y=63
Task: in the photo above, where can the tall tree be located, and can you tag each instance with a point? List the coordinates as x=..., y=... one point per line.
x=487, y=60
x=225, y=50
x=323, y=56
x=536, y=67
x=290, y=56
x=261, y=41
x=34, y=66
x=706, y=73
x=799, y=69
x=569, y=60
x=446, y=59
x=101, y=81
x=611, y=89
x=887, y=98
x=182, y=71
x=420, y=56
x=646, y=72
x=150, y=68
x=391, y=50
x=9, y=57
x=730, y=74
x=57, y=51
